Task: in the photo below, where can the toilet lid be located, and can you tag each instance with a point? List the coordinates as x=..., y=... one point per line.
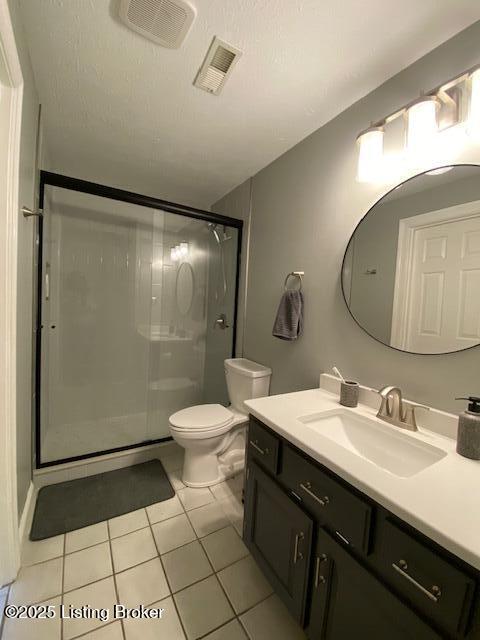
x=201, y=416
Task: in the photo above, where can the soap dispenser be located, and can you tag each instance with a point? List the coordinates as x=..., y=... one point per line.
x=468, y=437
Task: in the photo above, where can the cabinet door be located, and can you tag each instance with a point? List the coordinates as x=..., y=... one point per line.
x=279, y=536
x=349, y=602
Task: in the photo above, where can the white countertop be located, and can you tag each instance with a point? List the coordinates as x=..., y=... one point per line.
x=442, y=501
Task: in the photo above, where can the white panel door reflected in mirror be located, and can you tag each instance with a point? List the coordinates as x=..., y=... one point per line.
x=411, y=271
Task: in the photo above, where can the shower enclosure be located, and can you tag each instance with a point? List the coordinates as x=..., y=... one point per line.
x=136, y=313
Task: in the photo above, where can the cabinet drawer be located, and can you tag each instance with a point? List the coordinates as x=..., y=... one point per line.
x=426, y=580
x=331, y=503
x=263, y=445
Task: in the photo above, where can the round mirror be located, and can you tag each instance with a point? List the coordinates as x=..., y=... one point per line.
x=411, y=271
x=184, y=288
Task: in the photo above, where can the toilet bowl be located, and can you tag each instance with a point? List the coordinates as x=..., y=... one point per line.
x=212, y=435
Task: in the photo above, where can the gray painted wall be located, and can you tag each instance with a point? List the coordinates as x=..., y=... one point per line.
x=375, y=247
x=27, y=194
x=305, y=206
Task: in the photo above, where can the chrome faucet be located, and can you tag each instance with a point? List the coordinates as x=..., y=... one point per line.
x=393, y=411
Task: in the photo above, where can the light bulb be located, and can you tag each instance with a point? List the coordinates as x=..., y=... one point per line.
x=173, y=254
x=473, y=127
x=422, y=130
x=370, y=154
x=184, y=249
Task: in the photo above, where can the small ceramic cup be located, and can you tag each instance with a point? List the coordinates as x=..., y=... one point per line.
x=349, y=393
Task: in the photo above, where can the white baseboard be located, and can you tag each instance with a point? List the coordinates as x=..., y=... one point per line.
x=27, y=513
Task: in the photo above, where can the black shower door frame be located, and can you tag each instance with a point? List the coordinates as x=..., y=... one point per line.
x=75, y=184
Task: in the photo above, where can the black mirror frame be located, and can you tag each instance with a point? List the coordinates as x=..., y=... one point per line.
x=415, y=353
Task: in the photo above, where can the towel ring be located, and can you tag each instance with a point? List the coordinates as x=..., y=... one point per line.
x=294, y=274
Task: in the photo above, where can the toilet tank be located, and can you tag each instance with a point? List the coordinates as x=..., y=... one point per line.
x=246, y=380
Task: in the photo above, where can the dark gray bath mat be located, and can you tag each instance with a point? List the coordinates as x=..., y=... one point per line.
x=78, y=503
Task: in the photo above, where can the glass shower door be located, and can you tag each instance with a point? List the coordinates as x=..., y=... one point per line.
x=96, y=303
x=137, y=317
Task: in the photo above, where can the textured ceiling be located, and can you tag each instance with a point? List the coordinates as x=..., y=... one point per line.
x=122, y=111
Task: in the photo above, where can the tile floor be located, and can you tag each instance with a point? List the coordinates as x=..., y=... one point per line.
x=184, y=555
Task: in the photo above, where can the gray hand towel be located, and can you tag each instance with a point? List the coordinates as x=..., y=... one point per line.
x=288, y=324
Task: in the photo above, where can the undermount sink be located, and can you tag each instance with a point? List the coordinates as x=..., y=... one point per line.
x=398, y=453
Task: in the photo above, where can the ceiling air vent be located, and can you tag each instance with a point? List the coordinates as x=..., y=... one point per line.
x=217, y=66
x=166, y=22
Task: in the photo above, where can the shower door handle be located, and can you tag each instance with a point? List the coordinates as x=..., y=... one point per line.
x=221, y=322
x=47, y=286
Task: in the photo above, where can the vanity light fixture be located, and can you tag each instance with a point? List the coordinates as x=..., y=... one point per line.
x=370, y=153
x=422, y=127
x=454, y=106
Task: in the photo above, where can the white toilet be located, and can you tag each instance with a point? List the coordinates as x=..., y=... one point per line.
x=212, y=435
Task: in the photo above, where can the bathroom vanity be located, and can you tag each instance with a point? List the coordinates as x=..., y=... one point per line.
x=356, y=525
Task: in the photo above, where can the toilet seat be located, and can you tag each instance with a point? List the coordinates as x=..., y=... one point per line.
x=202, y=418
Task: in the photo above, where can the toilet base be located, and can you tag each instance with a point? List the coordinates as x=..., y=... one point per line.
x=229, y=472
x=212, y=460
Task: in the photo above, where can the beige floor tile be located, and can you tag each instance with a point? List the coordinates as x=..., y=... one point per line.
x=203, y=607
x=37, y=583
x=143, y=584
x=233, y=509
x=167, y=627
x=45, y=629
x=224, y=547
x=3, y=599
x=128, y=522
x=173, y=533
x=133, y=549
x=175, y=478
x=231, y=631
x=231, y=487
x=186, y=565
x=270, y=619
x=112, y=631
x=193, y=498
x=86, y=537
x=87, y=565
x=245, y=584
x=208, y=519
x=163, y=510
x=34, y=551
x=99, y=595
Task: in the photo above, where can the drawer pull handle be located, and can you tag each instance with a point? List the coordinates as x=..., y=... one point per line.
x=342, y=538
x=402, y=567
x=257, y=448
x=321, y=501
x=318, y=578
x=297, y=555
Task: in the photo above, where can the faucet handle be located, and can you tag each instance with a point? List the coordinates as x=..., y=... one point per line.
x=410, y=418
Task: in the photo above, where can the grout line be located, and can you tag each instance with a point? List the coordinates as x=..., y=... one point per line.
x=166, y=577
x=2, y=619
x=215, y=574
x=63, y=583
x=113, y=572
x=82, y=635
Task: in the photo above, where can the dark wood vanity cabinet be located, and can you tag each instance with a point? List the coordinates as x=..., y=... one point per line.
x=279, y=536
x=343, y=565
x=347, y=601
